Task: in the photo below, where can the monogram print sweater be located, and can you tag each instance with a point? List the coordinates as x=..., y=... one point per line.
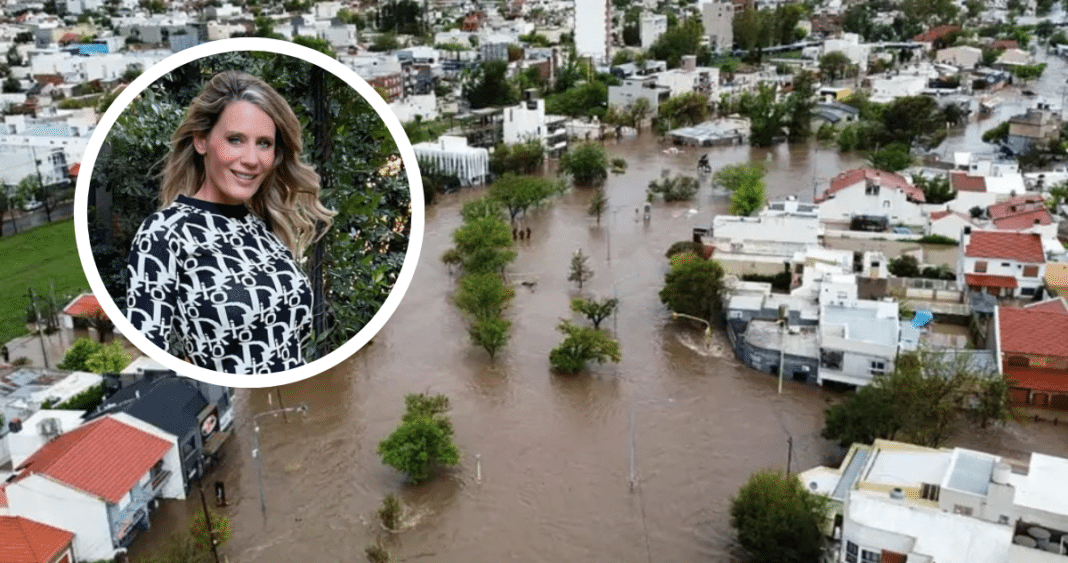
x=210, y=283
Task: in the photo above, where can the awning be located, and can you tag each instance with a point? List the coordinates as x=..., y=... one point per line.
x=989, y=280
x=1038, y=379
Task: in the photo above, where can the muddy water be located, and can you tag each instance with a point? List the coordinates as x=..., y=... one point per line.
x=553, y=453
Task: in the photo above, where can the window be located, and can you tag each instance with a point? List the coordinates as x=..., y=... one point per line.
x=886, y=203
x=1006, y=265
x=980, y=267
x=1019, y=361
x=1030, y=271
x=930, y=492
x=851, y=552
x=831, y=359
x=870, y=556
x=878, y=368
x=962, y=510
x=1003, y=519
x=1027, y=291
x=871, y=188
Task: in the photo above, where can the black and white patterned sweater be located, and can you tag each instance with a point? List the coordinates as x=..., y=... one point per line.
x=213, y=279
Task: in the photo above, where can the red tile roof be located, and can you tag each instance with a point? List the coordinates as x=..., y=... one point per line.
x=935, y=34
x=85, y=306
x=881, y=177
x=939, y=215
x=74, y=170
x=1004, y=44
x=105, y=458
x=1055, y=305
x=1020, y=213
x=1038, y=379
x=1027, y=331
x=989, y=280
x=962, y=182
x=24, y=541
x=1018, y=204
x=1022, y=247
x=1023, y=221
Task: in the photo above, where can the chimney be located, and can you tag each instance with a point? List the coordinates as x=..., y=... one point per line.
x=15, y=425
x=689, y=62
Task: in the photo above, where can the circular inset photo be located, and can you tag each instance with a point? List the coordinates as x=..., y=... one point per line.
x=249, y=212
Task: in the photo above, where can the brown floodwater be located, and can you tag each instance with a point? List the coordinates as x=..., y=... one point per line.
x=546, y=472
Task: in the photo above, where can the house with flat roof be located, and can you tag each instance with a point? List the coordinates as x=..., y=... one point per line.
x=892, y=501
x=764, y=244
x=860, y=339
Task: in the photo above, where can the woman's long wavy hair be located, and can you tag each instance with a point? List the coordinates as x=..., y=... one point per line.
x=288, y=199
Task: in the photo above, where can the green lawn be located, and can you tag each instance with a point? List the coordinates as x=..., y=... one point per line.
x=44, y=258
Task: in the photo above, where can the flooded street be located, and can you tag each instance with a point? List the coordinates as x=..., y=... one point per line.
x=554, y=452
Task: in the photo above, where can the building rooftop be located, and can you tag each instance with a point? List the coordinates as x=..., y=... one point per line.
x=799, y=341
x=1021, y=247
x=875, y=322
x=907, y=466
x=26, y=541
x=1031, y=331
x=880, y=177
x=1045, y=487
x=942, y=536
x=970, y=472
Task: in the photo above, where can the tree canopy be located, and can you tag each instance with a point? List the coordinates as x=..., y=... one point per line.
x=519, y=193
x=922, y=400
x=693, y=287
x=581, y=346
x=487, y=85
x=778, y=520
x=586, y=163
x=745, y=181
x=423, y=440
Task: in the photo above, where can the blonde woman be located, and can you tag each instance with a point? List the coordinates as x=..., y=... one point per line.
x=214, y=276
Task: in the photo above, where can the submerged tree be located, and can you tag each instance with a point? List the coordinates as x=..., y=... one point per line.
x=423, y=440
x=595, y=310
x=580, y=272
x=582, y=345
x=778, y=520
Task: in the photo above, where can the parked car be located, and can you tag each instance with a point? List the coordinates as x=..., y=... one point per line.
x=32, y=205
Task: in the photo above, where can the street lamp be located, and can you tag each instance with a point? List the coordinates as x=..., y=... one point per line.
x=302, y=409
x=633, y=462
x=708, y=327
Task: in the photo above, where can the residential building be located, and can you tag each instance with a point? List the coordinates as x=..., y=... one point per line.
x=46, y=144
x=717, y=16
x=885, y=89
x=27, y=541
x=937, y=37
x=965, y=57
x=982, y=191
x=896, y=502
x=765, y=243
x=27, y=436
x=1038, y=125
x=870, y=194
x=1057, y=278
x=860, y=339
x=481, y=127
x=852, y=46
x=765, y=329
x=452, y=155
x=528, y=120
x=200, y=415
x=948, y=223
x=652, y=27
x=1026, y=213
x=1001, y=263
x=635, y=87
x=690, y=78
x=1014, y=57
x=1031, y=345
x=23, y=391
x=592, y=35
x=834, y=113
x=99, y=481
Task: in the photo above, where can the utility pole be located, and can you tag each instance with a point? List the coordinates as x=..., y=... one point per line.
x=37, y=321
x=207, y=519
x=789, y=453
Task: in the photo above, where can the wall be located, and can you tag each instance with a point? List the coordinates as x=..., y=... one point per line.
x=175, y=487
x=889, y=202
x=652, y=27
x=965, y=201
x=932, y=253
x=48, y=502
x=591, y=18
x=999, y=267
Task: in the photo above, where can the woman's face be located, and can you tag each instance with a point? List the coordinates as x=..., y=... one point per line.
x=238, y=154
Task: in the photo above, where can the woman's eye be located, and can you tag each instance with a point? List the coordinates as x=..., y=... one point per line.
x=234, y=140
x=265, y=144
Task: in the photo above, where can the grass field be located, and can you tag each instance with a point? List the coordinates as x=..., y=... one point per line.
x=44, y=258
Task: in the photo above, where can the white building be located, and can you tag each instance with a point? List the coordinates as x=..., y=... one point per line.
x=424, y=106
x=528, y=120
x=717, y=16
x=452, y=155
x=965, y=57
x=948, y=223
x=871, y=193
x=652, y=27
x=1001, y=263
x=887, y=89
x=631, y=89
x=690, y=78
x=591, y=29
x=37, y=430
x=852, y=47
x=98, y=481
x=859, y=339
x=893, y=501
x=983, y=191
x=762, y=244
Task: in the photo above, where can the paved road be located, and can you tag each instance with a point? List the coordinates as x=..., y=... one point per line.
x=36, y=218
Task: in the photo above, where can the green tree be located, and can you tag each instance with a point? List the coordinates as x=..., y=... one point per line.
x=921, y=401
x=693, y=287
x=12, y=85
x=778, y=520
x=746, y=183
x=598, y=205
x=678, y=41
x=586, y=99
x=834, y=64
x=484, y=245
x=935, y=190
x=766, y=116
x=483, y=295
x=997, y=134
x=384, y=42
x=519, y=193
x=595, y=310
x=914, y=120
x=491, y=333
x=580, y=271
x=686, y=109
x=674, y=187
x=487, y=85
x=401, y=17
x=582, y=345
x=799, y=106
x=78, y=354
x=891, y=158
x=110, y=358
x=520, y=158
x=423, y=440
x=587, y=164
x=904, y=266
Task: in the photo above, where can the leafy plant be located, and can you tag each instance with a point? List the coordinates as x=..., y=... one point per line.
x=390, y=512
x=693, y=287
x=77, y=356
x=595, y=310
x=580, y=272
x=423, y=440
x=582, y=345
x=777, y=519
x=674, y=187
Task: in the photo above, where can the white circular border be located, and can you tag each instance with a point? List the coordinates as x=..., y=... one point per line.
x=404, y=146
